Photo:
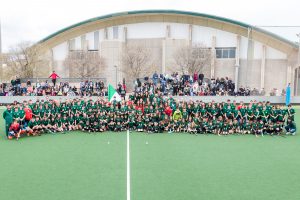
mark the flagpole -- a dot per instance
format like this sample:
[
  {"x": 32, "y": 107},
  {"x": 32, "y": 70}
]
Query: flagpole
[{"x": 0, "y": 39}]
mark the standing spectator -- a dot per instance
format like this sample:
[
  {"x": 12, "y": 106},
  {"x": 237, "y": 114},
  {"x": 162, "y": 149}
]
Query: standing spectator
[
  {"x": 82, "y": 87},
  {"x": 18, "y": 84},
  {"x": 123, "y": 93},
  {"x": 124, "y": 84},
  {"x": 91, "y": 87},
  {"x": 138, "y": 84},
  {"x": 195, "y": 78},
  {"x": 201, "y": 77},
  {"x": 28, "y": 83},
  {"x": 119, "y": 89},
  {"x": 155, "y": 78},
  {"x": 13, "y": 84},
  {"x": 101, "y": 85},
  {"x": 54, "y": 76}
]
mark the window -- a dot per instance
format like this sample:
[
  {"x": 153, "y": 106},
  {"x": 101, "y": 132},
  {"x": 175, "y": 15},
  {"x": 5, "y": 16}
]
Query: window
[
  {"x": 232, "y": 53},
  {"x": 225, "y": 53},
  {"x": 72, "y": 44},
  {"x": 96, "y": 40},
  {"x": 228, "y": 52},
  {"x": 219, "y": 53},
  {"x": 84, "y": 44},
  {"x": 115, "y": 32}
]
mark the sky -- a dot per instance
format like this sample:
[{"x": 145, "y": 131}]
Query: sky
[{"x": 33, "y": 20}]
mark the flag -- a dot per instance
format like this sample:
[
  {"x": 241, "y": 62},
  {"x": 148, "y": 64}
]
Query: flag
[
  {"x": 112, "y": 94},
  {"x": 288, "y": 95}
]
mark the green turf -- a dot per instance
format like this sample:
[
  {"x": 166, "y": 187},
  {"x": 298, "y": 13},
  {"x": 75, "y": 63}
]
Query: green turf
[
  {"x": 211, "y": 167},
  {"x": 63, "y": 167},
  {"x": 163, "y": 166}
]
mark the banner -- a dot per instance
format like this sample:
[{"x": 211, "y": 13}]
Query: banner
[{"x": 288, "y": 95}]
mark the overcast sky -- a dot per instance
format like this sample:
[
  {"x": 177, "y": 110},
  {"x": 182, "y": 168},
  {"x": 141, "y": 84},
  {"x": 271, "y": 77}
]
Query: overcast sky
[{"x": 33, "y": 20}]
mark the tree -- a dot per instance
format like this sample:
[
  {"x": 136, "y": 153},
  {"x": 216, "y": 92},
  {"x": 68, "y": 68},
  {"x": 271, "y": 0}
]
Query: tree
[
  {"x": 24, "y": 60},
  {"x": 84, "y": 63},
  {"x": 136, "y": 61},
  {"x": 192, "y": 59}
]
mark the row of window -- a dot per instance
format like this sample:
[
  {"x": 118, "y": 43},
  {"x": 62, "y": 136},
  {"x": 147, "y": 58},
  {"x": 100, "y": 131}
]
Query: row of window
[
  {"x": 221, "y": 53},
  {"x": 228, "y": 52}
]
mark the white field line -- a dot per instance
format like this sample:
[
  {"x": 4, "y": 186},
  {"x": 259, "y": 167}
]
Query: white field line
[{"x": 128, "y": 167}]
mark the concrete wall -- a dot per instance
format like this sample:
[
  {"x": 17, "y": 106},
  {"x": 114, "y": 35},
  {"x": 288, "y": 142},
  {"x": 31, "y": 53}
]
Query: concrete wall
[
  {"x": 111, "y": 51},
  {"x": 225, "y": 68},
  {"x": 272, "y": 99},
  {"x": 276, "y": 73},
  {"x": 154, "y": 36},
  {"x": 171, "y": 46}
]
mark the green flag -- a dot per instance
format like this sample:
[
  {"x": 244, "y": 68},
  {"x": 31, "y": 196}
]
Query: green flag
[{"x": 112, "y": 94}]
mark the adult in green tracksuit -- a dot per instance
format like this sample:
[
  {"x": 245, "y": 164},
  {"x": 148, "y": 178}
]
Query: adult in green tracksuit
[{"x": 8, "y": 117}]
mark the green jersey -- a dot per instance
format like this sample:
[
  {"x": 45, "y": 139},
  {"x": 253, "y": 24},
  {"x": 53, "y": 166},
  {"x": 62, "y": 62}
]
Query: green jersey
[
  {"x": 45, "y": 122},
  {"x": 16, "y": 114}
]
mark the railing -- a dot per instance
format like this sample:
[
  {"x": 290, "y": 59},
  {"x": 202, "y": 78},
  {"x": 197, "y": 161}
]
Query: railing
[{"x": 69, "y": 80}]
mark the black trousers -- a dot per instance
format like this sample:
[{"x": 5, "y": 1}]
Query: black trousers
[{"x": 54, "y": 82}]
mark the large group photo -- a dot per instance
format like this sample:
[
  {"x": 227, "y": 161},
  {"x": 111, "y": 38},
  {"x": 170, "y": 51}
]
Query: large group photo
[{"x": 145, "y": 111}]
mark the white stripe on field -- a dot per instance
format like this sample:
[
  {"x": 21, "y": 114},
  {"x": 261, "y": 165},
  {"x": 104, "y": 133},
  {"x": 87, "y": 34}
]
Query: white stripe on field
[{"x": 128, "y": 167}]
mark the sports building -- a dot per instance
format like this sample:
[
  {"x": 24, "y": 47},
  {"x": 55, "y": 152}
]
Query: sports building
[{"x": 249, "y": 55}]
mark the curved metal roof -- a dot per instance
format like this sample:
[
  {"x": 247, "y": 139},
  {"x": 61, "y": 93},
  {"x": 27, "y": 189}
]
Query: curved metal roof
[{"x": 194, "y": 14}]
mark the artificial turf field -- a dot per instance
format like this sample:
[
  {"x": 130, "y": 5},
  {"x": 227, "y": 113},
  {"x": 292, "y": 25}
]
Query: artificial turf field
[{"x": 81, "y": 166}]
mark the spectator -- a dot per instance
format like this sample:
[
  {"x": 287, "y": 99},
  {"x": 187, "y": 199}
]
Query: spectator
[
  {"x": 155, "y": 78},
  {"x": 54, "y": 76}
]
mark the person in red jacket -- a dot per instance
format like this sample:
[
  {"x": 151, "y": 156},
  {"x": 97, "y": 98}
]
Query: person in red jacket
[
  {"x": 28, "y": 114},
  {"x": 54, "y": 76},
  {"x": 168, "y": 111}
]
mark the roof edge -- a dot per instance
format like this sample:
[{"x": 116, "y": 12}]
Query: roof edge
[{"x": 135, "y": 12}]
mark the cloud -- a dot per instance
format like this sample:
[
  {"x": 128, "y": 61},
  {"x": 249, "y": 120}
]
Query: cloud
[{"x": 33, "y": 20}]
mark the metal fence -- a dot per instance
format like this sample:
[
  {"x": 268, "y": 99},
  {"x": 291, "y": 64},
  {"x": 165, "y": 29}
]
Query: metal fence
[{"x": 69, "y": 80}]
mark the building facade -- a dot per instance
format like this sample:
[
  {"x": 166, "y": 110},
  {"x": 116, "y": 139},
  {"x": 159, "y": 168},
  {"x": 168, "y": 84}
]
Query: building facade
[{"x": 248, "y": 55}]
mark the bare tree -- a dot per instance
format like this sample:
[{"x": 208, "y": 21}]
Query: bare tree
[
  {"x": 192, "y": 58},
  {"x": 24, "y": 60},
  {"x": 84, "y": 63},
  {"x": 136, "y": 61}
]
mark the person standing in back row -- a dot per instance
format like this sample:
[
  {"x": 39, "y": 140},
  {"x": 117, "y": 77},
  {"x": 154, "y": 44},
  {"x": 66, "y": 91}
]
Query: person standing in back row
[
  {"x": 8, "y": 117},
  {"x": 54, "y": 76}
]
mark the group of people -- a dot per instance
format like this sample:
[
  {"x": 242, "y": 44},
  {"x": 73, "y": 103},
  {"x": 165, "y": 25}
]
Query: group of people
[
  {"x": 147, "y": 113},
  {"x": 174, "y": 84},
  {"x": 62, "y": 88},
  {"x": 191, "y": 85}
]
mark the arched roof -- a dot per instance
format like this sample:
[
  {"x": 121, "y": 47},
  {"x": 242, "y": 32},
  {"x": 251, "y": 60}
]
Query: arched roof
[{"x": 175, "y": 16}]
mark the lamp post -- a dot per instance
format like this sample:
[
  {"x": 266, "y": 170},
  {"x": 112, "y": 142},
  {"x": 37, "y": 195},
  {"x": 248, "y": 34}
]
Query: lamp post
[{"x": 116, "y": 75}]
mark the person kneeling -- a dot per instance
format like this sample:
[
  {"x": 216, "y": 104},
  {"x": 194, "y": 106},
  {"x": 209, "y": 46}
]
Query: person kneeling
[
  {"x": 15, "y": 130},
  {"x": 290, "y": 127}
]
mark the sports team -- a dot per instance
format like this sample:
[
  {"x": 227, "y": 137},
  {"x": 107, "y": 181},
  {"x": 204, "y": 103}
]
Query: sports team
[{"x": 147, "y": 113}]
